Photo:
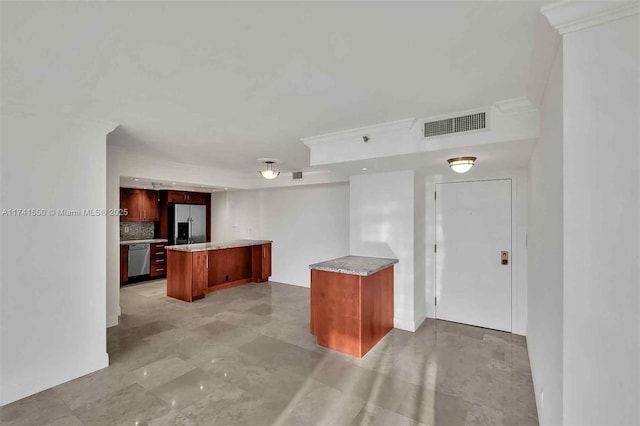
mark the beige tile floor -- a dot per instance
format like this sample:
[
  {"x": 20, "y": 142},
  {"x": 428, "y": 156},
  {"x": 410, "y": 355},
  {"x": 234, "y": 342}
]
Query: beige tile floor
[{"x": 244, "y": 356}]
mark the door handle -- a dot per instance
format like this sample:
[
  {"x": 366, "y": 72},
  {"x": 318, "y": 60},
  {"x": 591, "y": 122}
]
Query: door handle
[{"x": 504, "y": 257}]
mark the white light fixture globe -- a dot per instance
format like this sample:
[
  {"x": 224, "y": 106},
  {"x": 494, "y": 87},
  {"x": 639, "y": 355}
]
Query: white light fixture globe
[
  {"x": 269, "y": 173},
  {"x": 461, "y": 164}
]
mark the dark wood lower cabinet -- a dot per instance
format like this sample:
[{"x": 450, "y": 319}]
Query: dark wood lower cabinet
[
  {"x": 124, "y": 263},
  {"x": 158, "y": 259},
  {"x": 229, "y": 266},
  {"x": 200, "y": 266},
  {"x": 191, "y": 275},
  {"x": 351, "y": 313}
]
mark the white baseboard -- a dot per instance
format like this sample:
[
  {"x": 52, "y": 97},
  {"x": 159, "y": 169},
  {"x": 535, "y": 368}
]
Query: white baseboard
[
  {"x": 32, "y": 385},
  {"x": 419, "y": 322},
  {"x": 404, "y": 324},
  {"x": 112, "y": 320}
]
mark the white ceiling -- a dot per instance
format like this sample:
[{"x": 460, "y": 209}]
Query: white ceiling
[
  {"x": 491, "y": 157},
  {"x": 161, "y": 184},
  {"x": 221, "y": 84}
]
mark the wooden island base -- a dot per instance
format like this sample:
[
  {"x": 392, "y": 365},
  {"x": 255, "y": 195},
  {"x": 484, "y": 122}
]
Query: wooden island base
[
  {"x": 351, "y": 313},
  {"x": 193, "y": 274}
]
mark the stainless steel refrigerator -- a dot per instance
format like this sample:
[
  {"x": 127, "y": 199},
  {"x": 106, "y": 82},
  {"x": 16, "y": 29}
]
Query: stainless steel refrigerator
[{"x": 187, "y": 224}]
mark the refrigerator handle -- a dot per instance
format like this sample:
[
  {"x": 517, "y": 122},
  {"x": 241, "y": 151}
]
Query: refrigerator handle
[{"x": 190, "y": 229}]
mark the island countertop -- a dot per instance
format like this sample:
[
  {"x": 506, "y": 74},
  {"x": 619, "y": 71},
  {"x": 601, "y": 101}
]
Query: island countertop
[
  {"x": 355, "y": 265},
  {"x": 148, "y": 240},
  {"x": 218, "y": 245}
]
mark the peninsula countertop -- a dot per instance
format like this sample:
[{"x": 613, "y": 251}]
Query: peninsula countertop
[
  {"x": 355, "y": 265},
  {"x": 149, "y": 240},
  {"x": 218, "y": 245}
]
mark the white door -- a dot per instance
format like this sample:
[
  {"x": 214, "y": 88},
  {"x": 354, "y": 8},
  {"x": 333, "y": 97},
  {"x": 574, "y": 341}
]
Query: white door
[{"x": 473, "y": 228}]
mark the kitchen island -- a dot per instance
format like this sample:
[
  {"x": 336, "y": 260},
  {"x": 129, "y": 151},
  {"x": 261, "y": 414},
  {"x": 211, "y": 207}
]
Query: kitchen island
[
  {"x": 352, "y": 302},
  {"x": 193, "y": 270}
]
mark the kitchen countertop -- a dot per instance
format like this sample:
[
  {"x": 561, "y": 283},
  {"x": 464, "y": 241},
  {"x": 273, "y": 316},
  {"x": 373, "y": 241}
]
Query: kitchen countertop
[
  {"x": 218, "y": 245},
  {"x": 152, "y": 240},
  {"x": 355, "y": 265}
]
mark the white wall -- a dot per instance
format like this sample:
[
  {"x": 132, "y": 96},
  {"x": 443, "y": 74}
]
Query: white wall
[
  {"x": 382, "y": 212},
  {"x": 112, "y": 290},
  {"x": 601, "y": 224},
  {"x": 419, "y": 249},
  {"x": 307, "y": 225},
  {"x": 53, "y": 268},
  {"x": 236, "y": 214},
  {"x": 518, "y": 240},
  {"x": 545, "y": 253}
]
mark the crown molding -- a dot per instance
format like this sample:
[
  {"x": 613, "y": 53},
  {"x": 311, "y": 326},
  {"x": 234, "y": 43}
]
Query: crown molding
[
  {"x": 570, "y": 16},
  {"x": 24, "y": 110},
  {"x": 516, "y": 105},
  {"x": 377, "y": 129}
]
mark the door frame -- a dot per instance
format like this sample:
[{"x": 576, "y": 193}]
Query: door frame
[
  {"x": 511, "y": 230},
  {"x": 518, "y": 241}
]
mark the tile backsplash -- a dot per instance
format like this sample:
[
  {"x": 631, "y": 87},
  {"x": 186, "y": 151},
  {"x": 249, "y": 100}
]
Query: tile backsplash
[{"x": 136, "y": 230}]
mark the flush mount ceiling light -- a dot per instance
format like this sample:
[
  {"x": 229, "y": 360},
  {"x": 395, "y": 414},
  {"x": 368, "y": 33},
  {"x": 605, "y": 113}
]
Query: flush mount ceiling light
[
  {"x": 269, "y": 172},
  {"x": 461, "y": 164}
]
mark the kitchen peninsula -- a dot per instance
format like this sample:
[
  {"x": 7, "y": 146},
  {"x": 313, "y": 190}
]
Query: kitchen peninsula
[
  {"x": 193, "y": 270},
  {"x": 352, "y": 302}
]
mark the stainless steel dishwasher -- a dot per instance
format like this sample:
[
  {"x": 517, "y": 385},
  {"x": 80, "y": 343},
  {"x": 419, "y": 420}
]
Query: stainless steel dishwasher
[{"x": 139, "y": 259}]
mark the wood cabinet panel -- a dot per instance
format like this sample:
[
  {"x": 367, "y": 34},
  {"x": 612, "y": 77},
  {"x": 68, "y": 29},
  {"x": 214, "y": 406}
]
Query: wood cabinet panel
[
  {"x": 131, "y": 201},
  {"x": 180, "y": 275},
  {"x": 229, "y": 265},
  {"x": 376, "y": 306},
  {"x": 266, "y": 262},
  {"x": 261, "y": 263},
  {"x": 240, "y": 259},
  {"x": 176, "y": 196},
  {"x": 351, "y": 313},
  {"x": 217, "y": 267},
  {"x": 225, "y": 268},
  {"x": 163, "y": 206},
  {"x": 188, "y": 197},
  {"x": 158, "y": 260},
  {"x": 335, "y": 311},
  {"x": 197, "y": 197},
  {"x": 200, "y": 274},
  {"x": 124, "y": 263},
  {"x": 142, "y": 205},
  {"x": 158, "y": 270},
  {"x": 150, "y": 206}
]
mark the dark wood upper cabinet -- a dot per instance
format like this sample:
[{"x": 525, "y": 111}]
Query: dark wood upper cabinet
[
  {"x": 198, "y": 198},
  {"x": 142, "y": 205},
  {"x": 131, "y": 201},
  {"x": 188, "y": 197},
  {"x": 150, "y": 206},
  {"x": 176, "y": 196}
]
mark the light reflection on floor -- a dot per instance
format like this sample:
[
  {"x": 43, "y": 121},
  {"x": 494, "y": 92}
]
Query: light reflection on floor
[{"x": 245, "y": 356}]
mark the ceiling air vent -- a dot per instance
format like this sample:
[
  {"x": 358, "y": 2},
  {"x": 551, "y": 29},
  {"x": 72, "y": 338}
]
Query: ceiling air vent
[
  {"x": 463, "y": 123},
  {"x": 297, "y": 175}
]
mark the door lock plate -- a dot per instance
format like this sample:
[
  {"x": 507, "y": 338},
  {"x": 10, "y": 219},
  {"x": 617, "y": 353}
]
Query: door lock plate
[{"x": 504, "y": 256}]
